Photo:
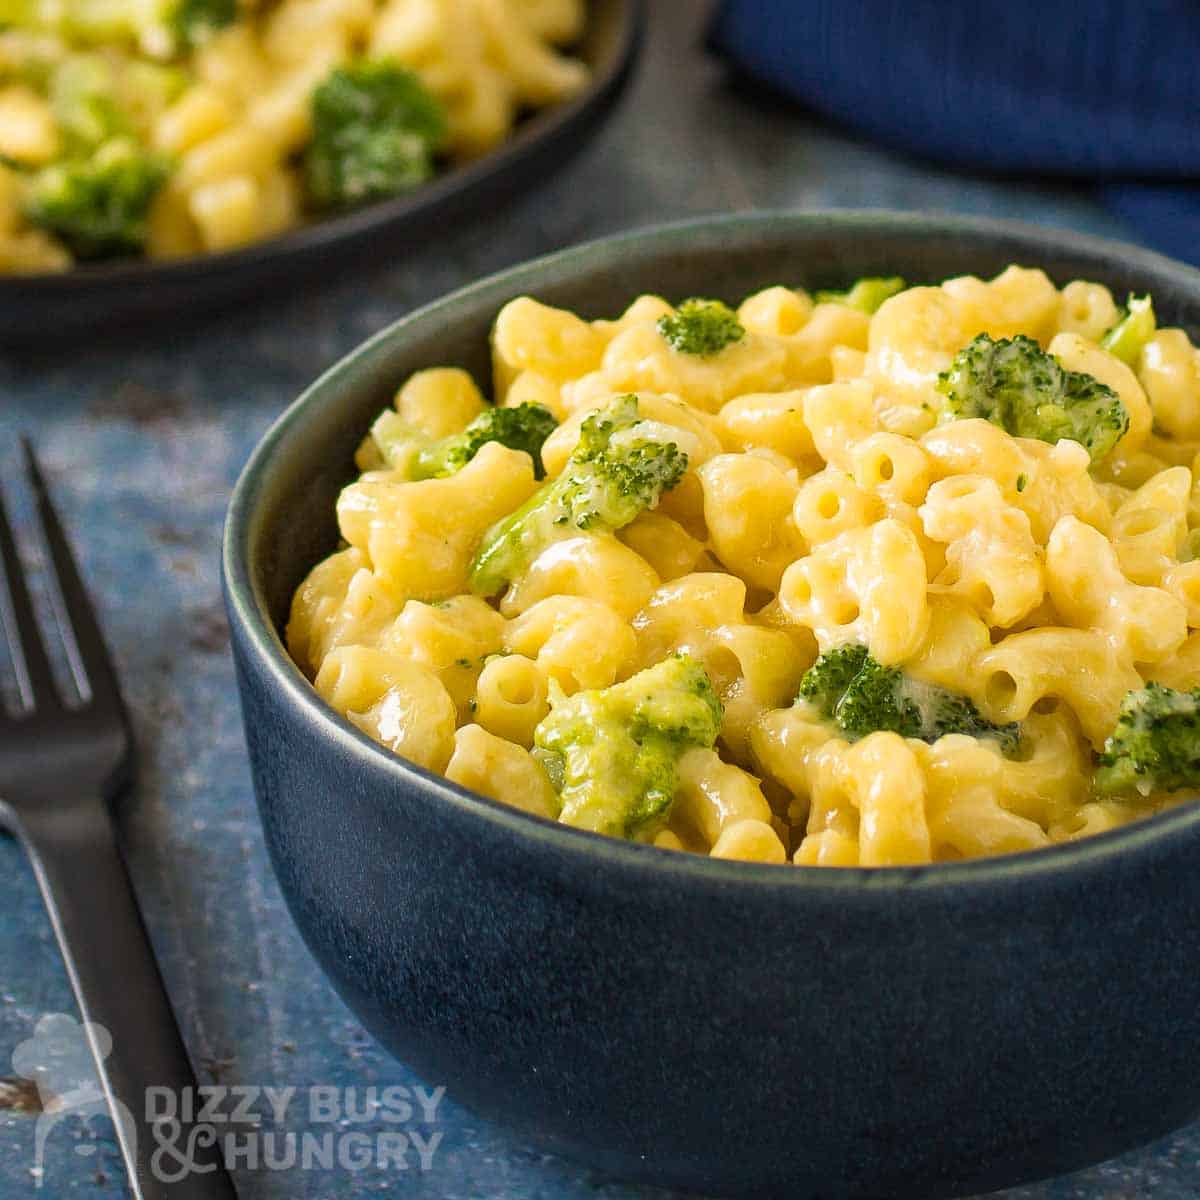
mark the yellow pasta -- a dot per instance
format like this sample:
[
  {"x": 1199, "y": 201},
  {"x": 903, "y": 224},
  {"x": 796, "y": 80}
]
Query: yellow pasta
[
  {"x": 1083, "y": 573},
  {"x": 595, "y": 566},
  {"x": 991, "y": 558},
  {"x": 28, "y": 131},
  {"x": 1169, "y": 370},
  {"x": 420, "y": 537},
  {"x": 1087, "y": 309},
  {"x": 494, "y": 767},
  {"x": 453, "y": 639},
  {"x": 867, "y": 585},
  {"x": 774, "y": 420},
  {"x": 510, "y": 698},
  {"x": 1017, "y": 301},
  {"x": 395, "y": 701},
  {"x": 576, "y": 640},
  {"x": 735, "y": 511},
  {"x": 831, "y": 503},
  {"x": 748, "y": 513},
  {"x": 1150, "y": 525}
]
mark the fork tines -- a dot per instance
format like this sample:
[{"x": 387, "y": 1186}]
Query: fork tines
[{"x": 91, "y": 665}]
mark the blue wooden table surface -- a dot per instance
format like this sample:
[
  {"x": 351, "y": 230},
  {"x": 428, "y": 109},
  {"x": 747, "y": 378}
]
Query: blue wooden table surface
[{"x": 144, "y": 444}]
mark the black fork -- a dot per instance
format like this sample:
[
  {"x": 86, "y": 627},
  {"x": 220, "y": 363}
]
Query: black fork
[{"x": 61, "y": 766}]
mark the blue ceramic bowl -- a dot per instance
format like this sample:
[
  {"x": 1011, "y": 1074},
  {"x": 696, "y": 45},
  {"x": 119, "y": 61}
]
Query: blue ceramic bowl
[{"x": 714, "y": 1026}]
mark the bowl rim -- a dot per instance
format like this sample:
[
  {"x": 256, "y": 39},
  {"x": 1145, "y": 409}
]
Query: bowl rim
[
  {"x": 258, "y": 636},
  {"x": 329, "y": 231}
]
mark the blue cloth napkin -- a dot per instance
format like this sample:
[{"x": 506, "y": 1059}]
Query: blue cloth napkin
[{"x": 1107, "y": 91}]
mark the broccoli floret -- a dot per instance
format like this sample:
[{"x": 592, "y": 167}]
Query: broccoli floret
[
  {"x": 98, "y": 205},
  {"x": 826, "y": 681},
  {"x": 614, "y": 474},
  {"x": 1127, "y": 337},
  {"x": 866, "y": 295},
  {"x": 877, "y": 698},
  {"x": 1155, "y": 746},
  {"x": 861, "y": 696},
  {"x": 376, "y": 129},
  {"x": 410, "y": 451},
  {"x": 1015, "y": 384},
  {"x": 194, "y": 21},
  {"x": 612, "y": 754},
  {"x": 701, "y": 327},
  {"x": 523, "y": 427}
]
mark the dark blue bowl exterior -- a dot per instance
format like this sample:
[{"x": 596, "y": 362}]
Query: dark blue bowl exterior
[{"x": 717, "y": 1027}]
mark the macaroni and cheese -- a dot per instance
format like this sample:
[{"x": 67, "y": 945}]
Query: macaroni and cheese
[
  {"x": 176, "y": 127},
  {"x": 887, "y": 576}
]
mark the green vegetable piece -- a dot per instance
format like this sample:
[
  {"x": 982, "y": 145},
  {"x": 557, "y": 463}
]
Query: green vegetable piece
[
  {"x": 1015, "y": 384},
  {"x": 825, "y": 682},
  {"x": 376, "y": 129},
  {"x": 614, "y": 474},
  {"x": 866, "y": 294},
  {"x": 701, "y": 327},
  {"x": 523, "y": 427},
  {"x": 98, "y": 206},
  {"x": 613, "y": 754},
  {"x": 1127, "y": 337},
  {"x": 861, "y": 696},
  {"x": 195, "y": 21},
  {"x": 1155, "y": 745},
  {"x": 412, "y": 452},
  {"x": 398, "y": 442}
]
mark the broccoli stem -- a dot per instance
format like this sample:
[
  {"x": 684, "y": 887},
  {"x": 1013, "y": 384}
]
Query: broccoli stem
[
  {"x": 866, "y": 295},
  {"x": 1130, "y": 334}
]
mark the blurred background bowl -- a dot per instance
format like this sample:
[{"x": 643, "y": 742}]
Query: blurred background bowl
[
  {"x": 92, "y": 299},
  {"x": 714, "y": 1026}
]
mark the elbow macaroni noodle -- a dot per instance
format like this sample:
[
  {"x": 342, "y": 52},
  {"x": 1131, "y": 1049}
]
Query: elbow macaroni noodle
[{"x": 822, "y": 505}]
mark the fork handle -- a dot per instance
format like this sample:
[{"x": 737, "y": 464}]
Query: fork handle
[{"x": 87, "y": 891}]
